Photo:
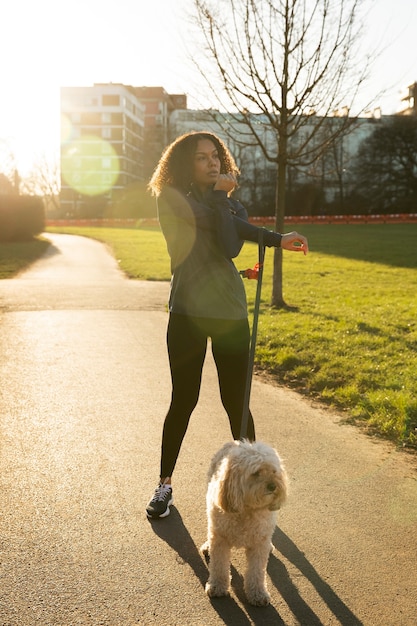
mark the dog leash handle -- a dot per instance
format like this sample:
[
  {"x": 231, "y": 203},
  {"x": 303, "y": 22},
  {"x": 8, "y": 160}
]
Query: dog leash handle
[{"x": 248, "y": 386}]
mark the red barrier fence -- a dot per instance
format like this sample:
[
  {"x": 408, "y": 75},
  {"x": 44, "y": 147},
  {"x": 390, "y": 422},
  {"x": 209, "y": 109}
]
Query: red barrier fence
[
  {"x": 108, "y": 222},
  {"x": 397, "y": 218}
]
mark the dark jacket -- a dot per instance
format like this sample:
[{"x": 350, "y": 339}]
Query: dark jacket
[{"x": 203, "y": 235}]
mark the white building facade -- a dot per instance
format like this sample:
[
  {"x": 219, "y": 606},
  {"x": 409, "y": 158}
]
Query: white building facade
[
  {"x": 331, "y": 172},
  {"x": 113, "y": 135},
  {"x": 101, "y": 143}
]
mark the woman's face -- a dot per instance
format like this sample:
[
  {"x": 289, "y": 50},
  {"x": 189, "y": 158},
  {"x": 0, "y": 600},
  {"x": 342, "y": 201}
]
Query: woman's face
[{"x": 206, "y": 164}]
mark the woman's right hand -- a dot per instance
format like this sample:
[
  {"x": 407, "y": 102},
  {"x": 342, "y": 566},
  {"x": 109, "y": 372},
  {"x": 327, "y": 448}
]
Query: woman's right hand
[{"x": 225, "y": 182}]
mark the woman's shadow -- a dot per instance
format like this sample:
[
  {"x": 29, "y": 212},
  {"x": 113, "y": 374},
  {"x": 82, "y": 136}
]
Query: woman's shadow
[
  {"x": 176, "y": 535},
  {"x": 288, "y": 590}
]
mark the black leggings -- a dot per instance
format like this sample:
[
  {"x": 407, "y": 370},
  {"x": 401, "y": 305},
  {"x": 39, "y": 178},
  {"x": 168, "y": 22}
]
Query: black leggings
[{"x": 187, "y": 345}]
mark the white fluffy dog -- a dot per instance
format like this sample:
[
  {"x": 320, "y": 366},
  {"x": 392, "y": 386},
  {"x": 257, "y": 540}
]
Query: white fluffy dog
[{"x": 247, "y": 485}]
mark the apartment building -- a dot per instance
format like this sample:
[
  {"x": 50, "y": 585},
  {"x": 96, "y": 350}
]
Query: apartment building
[
  {"x": 111, "y": 137},
  {"x": 158, "y": 107},
  {"x": 102, "y": 148},
  {"x": 330, "y": 172},
  {"x": 409, "y": 101}
]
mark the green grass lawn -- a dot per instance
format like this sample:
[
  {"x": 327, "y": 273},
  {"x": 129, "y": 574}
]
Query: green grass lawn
[
  {"x": 15, "y": 257},
  {"x": 350, "y": 336}
]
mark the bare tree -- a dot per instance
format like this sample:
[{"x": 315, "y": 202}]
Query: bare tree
[
  {"x": 44, "y": 180},
  {"x": 284, "y": 65},
  {"x": 10, "y": 178},
  {"x": 385, "y": 167}
]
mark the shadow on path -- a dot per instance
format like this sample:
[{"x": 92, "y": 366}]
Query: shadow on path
[
  {"x": 176, "y": 535},
  {"x": 282, "y": 581}
]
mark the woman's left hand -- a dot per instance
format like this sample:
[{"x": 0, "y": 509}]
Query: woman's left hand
[{"x": 295, "y": 242}]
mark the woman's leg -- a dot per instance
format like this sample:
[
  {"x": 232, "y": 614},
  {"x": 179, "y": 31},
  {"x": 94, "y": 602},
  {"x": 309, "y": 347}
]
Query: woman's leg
[
  {"x": 230, "y": 345},
  {"x": 187, "y": 346}
]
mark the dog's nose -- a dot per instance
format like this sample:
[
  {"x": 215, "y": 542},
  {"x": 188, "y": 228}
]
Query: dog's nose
[{"x": 271, "y": 487}]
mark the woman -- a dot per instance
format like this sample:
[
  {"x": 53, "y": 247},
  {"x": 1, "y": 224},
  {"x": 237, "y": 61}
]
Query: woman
[{"x": 204, "y": 229}]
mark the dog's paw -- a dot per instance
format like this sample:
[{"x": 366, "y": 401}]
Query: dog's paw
[
  {"x": 258, "y": 597},
  {"x": 205, "y": 552},
  {"x": 216, "y": 590}
]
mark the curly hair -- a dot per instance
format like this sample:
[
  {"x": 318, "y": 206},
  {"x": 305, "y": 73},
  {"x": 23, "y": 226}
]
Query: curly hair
[{"x": 176, "y": 165}]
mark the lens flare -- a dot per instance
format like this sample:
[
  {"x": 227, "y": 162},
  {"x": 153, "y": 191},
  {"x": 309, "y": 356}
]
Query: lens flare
[
  {"x": 90, "y": 165},
  {"x": 66, "y": 128}
]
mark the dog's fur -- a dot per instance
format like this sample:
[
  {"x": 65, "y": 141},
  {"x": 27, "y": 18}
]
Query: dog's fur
[{"x": 247, "y": 485}]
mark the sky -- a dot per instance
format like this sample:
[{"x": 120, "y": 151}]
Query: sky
[{"x": 45, "y": 44}]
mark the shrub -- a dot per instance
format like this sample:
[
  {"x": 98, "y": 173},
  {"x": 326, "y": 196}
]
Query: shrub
[{"x": 21, "y": 217}]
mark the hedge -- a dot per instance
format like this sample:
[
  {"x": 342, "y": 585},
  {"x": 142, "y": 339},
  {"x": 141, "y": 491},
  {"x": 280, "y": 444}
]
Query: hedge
[{"x": 21, "y": 217}]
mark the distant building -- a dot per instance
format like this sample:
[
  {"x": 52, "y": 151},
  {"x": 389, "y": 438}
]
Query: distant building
[
  {"x": 101, "y": 143},
  {"x": 409, "y": 100},
  {"x": 112, "y": 135},
  {"x": 330, "y": 172},
  {"x": 158, "y": 107}
]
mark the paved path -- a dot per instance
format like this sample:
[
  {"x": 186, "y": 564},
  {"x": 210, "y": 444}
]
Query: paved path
[{"x": 84, "y": 386}]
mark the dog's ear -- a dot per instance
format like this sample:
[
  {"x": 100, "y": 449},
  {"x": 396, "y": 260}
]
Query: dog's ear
[
  {"x": 281, "y": 491},
  {"x": 230, "y": 497}
]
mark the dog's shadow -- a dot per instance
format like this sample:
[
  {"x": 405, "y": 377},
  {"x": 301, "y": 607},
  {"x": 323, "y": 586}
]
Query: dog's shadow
[
  {"x": 176, "y": 535},
  {"x": 288, "y": 590}
]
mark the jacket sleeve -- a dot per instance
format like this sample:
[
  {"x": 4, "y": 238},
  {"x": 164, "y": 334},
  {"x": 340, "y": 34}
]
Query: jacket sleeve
[
  {"x": 180, "y": 219},
  {"x": 228, "y": 237},
  {"x": 234, "y": 228},
  {"x": 227, "y": 219},
  {"x": 249, "y": 232}
]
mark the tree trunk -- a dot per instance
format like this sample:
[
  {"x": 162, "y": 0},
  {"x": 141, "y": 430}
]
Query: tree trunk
[
  {"x": 277, "y": 300},
  {"x": 277, "y": 287}
]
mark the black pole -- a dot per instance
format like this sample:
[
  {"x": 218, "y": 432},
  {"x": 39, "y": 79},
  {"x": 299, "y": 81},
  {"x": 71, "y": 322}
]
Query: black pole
[{"x": 245, "y": 412}]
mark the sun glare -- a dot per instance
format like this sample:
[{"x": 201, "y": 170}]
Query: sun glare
[
  {"x": 99, "y": 44},
  {"x": 90, "y": 166}
]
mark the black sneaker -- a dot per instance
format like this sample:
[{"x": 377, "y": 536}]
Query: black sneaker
[{"x": 161, "y": 501}]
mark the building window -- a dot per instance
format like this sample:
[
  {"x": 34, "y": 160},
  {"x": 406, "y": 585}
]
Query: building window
[
  {"x": 106, "y": 148},
  {"x": 106, "y": 133},
  {"x": 106, "y": 163},
  {"x": 107, "y": 179},
  {"x": 111, "y": 100},
  {"x": 106, "y": 118},
  {"x": 76, "y": 118}
]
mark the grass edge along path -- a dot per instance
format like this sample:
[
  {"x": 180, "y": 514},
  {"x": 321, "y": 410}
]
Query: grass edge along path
[
  {"x": 349, "y": 336},
  {"x": 17, "y": 256}
]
